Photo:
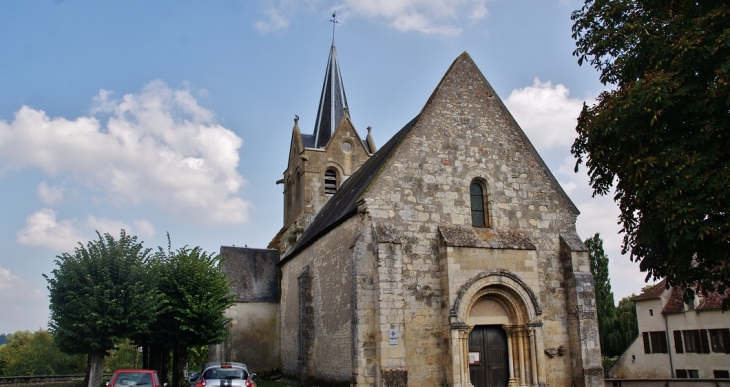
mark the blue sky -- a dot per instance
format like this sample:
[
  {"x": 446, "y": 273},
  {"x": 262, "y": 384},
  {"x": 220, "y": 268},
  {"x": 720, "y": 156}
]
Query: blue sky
[{"x": 176, "y": 116}]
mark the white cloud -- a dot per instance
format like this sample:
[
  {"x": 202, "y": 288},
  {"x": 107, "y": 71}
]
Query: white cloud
[
  {"x": 144, "y": 228},
  {"x": 24, "y": 306},
  {"x": 548, "y": 116},
  {"x": 545, "y": 113},
  {"x": 157, "y": 146},
  {"x": 141, "y": 228},
  {"x": 440, "y": 17},
  {"x": 437, "y": 17},
  {"x": 50, "y": 195},
  {"x": 274, "y": 21},
  {"x": 43, "y": 229},
  {"x": 600, "y": 215}
]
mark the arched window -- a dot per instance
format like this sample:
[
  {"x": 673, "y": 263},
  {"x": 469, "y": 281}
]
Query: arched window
[
  {"x": 330, "y": 181},
  {"x": 479, "y": 215}
]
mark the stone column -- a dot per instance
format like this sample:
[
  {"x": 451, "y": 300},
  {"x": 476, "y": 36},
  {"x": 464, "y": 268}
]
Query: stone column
[
  {"x": 458, "y": 371},
  {"x": 465, "y": 356},
  {"x": 533, "y": 357},
  {"x": 510, "y": 358},
  {"x": 521, "y": 352},
  {"x": 539, "y": 348}
]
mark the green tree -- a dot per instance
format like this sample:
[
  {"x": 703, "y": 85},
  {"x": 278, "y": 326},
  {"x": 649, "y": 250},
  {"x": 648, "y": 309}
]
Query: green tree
[
  {"x": 124, "y": 355},
  {"x": 627, "y": 326},
  {"x": 662, "y": 133},
  {"x": 36, "y": 353},
  {"x": 99, "y": 295},
  {"x": 196, "y": 295},
  {"x": 605, "y": 305}
]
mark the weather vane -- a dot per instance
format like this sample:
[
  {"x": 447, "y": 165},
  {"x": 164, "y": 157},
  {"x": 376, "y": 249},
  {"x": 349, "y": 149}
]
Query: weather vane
[{"x": 334, "y": 22}]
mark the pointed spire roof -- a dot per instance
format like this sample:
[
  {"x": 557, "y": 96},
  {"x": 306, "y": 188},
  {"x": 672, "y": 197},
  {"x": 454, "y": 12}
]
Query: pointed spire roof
[{"x": 332, "y": 103}]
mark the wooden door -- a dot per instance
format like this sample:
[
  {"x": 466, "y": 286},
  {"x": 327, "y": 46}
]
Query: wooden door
[{"x": 488, "y": 356}]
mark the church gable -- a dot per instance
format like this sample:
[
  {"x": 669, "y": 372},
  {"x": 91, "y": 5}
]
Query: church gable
[
  {"x": 464, "y": 138},
  {"x": 346, "y": 141}
]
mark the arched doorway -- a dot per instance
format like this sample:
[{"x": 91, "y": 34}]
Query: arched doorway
[
  {"x": 498, "y": 307},
  {"x": 488, "y": 360}
]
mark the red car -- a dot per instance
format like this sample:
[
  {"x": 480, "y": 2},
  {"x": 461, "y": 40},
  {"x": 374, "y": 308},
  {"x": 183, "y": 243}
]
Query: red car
[{"x": 131, "y": 378}]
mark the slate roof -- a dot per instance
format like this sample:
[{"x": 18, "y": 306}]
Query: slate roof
[
  {"x": 332, "y": 102},
  {"x": 308, "y": 140},
  {"x": 343, "y": 204}
]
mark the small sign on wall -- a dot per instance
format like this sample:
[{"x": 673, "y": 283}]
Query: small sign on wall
[
  {"x": 393, "y": 336},
  {"x": 474, "y": 358}
]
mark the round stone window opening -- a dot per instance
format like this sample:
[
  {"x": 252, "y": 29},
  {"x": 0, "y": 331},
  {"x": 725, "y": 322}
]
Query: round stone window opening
[{"x": 346, "y": 147}]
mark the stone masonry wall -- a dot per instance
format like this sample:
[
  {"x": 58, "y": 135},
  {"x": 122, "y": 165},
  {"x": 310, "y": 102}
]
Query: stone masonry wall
[
  {"x": 254, "y": 338},
  {"x": 463, "y": 133},
  {"x": 303, "y": 200},
  {"x": 329, "y": 264}
]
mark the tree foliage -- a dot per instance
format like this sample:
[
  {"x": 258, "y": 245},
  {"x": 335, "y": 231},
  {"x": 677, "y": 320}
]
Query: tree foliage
[
  {"x": 27, "y": 354},
  {"x": 99, "y": 295},
  {"x": 196, "y": 295},
  {"x": 113, "y": 294},
  {"x": 617, "y": 326},
  {"x": 662, "y": 134},
  {"x": 605, "y": 305}
]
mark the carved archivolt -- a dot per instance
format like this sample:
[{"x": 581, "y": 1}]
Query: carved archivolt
[{"x": 505, "y": 287}]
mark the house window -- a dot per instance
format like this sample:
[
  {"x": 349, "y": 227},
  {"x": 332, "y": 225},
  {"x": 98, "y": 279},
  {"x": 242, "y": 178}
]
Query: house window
[
  {"x": 330, "y": 181},
  {"x": 694, "y": 341},
  {"x": 655, "y": 342},
  {"x": 720, "y": 340},
  {"x": 478, "y": 209},
  {"x": 721, "y": 374},
  {"x": 658, "y": 342},
  {"x": 691, "y": 374},
  {"x": 691, "y": 341},
  {"x": 651, "y": 312}
]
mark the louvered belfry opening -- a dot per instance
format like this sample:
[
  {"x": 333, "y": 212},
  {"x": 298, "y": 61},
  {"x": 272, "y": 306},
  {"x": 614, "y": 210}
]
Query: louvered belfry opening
[{"x": 330, "y": 182}]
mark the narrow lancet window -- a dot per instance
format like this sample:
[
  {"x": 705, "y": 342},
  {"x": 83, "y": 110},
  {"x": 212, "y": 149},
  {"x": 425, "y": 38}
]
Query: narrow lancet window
[
  {"x": 478, "y": 209},
  {"x": 330, "y": 182}
]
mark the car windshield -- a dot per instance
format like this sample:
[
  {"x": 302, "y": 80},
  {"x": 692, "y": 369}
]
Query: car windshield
[
  {"x": 126, "y": 379},
  {"x": 223, "y": 373}
]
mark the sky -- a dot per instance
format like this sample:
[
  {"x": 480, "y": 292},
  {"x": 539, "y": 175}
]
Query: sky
[{"x": 176, "y": 116}]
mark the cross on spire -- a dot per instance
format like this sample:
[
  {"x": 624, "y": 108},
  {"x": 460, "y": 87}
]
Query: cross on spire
[{"x": 334, "y": 22}]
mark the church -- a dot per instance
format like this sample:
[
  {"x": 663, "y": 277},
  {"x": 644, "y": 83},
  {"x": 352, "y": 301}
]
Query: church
[{"x": 448, "y": 256}]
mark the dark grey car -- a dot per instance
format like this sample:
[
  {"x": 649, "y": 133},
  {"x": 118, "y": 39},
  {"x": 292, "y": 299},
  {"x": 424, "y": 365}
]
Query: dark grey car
[{"x": 223, "y": 375}]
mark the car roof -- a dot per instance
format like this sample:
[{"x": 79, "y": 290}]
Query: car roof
[
  {"x": 133, "y": 370},
  {"x": 219, "y": 364}
]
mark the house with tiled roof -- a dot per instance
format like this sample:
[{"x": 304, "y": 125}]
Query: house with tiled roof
[{"x": 677, "y": 339}]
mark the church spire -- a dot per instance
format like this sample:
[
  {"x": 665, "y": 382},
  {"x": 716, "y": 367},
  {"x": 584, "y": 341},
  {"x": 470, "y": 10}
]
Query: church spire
[{"x": 333, "y": 101}]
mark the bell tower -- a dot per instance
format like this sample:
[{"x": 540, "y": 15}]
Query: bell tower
[{"x": 319, "y": 162}]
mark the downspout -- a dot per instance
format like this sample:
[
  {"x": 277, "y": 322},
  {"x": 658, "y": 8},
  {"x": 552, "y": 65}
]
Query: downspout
[{"x": 669, "y": 347}]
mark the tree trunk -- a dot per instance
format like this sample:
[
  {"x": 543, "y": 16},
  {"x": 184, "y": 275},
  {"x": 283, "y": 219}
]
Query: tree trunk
[
  {"x": 179, "y": 364},
  {"x": 88, "y": 369},
  {"x": 155, "y": 361},
  {"x": 146, "y": 357},
  {"x": 165, "y": 364},
  {"x": 96, "y": 367}
]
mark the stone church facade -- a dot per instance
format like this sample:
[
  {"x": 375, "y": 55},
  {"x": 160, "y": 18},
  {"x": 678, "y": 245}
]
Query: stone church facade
[{"x": 447, "y": 257}]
